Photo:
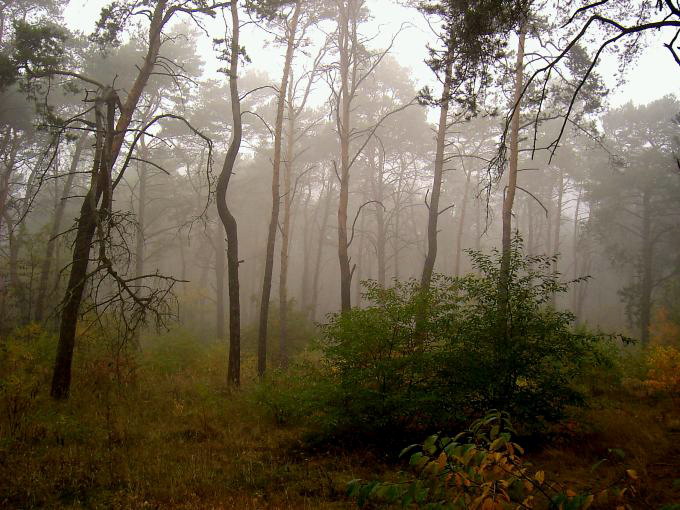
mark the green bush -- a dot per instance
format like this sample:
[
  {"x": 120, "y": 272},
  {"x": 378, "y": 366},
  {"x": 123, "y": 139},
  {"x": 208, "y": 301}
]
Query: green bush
[
  {"x": 480, "y": 468},
  {"x": 416, "y": 360}
]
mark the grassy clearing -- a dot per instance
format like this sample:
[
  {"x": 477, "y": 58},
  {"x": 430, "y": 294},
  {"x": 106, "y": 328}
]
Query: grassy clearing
[{"x": 161, "y": 430}]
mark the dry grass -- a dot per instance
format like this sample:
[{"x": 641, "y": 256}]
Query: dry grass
[
  {"x": 641, "y": 434},
  {"x": 168, "y": 434},
  {"x": 164, "y": 432}
]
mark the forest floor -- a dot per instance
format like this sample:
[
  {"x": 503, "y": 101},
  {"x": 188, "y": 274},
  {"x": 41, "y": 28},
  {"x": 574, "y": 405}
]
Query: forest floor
[{"x": 168, "y": 434}]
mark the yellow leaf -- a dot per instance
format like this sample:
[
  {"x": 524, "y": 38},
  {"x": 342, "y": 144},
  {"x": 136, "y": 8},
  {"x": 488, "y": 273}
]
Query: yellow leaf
[
  {"x": 632, "y": 474},
  {"x": 441, "y": 460},
  {"x": 570, "y": 493},
  {"x": 539, "y": 476}
]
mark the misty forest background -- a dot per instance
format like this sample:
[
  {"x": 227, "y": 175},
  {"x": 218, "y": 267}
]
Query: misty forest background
[{"x": 228, "y": 288}]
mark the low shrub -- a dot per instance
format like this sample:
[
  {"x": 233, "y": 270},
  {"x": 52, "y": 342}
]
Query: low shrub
[
  {"x": 481, "y": 468},
  {"x": 415, "y": 360}
]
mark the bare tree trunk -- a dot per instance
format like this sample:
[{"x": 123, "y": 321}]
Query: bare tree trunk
[
  {"x": 647, "y": 268},
  {"x": 433, "y": 213},
  {"x": 461, "y": 226},
  {"x": 575, "y": 248},
  {"x": 319, "y": 247},
  {"x": 530, "y": 227},
  {"x": 509, "y": 197},
  {"x": 54, "y": 232},
  {"x": 381, "y": 227},
  {"x": 276, "y": 196},
  {"x": 478, "y": 224},
  {"x": 228, "y": 220},
  {"x": 359, "y": 264},
  {"x": 558, "y": 225},
  {"x": 306, "y": 255},
  {"x": 285, "y": 232},
  {"x": 344, "y": 131}
]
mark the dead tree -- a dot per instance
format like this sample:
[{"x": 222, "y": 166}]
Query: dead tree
[{"x": 95, "y": 210}]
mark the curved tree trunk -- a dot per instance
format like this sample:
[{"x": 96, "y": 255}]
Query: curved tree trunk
[{"x": 228, "y": 220}]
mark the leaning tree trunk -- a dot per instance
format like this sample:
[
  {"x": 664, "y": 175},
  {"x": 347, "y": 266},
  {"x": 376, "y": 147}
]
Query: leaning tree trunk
[
  {"x": 433, "y": 213},
  {"x": 276, "y": 197},
  {"x": 228, "y": 220},
  {"x": 61, "y": 379},
  {"x": 54, "y": 232}
]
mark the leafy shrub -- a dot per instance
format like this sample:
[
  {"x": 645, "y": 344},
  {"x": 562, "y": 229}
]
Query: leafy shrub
[
  {"x": 481, "y": 468},
  {"x": 422, "y": 360}
]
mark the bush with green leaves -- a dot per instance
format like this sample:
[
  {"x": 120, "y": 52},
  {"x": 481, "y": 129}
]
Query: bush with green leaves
[
  {"x": 419, "y": 360},
  {"x": 480, "y": 468}
]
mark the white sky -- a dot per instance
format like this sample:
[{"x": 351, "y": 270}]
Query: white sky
[{"x": 654, "y": 75}]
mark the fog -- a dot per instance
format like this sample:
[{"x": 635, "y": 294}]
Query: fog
[{"x": 355, "y": 150}]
